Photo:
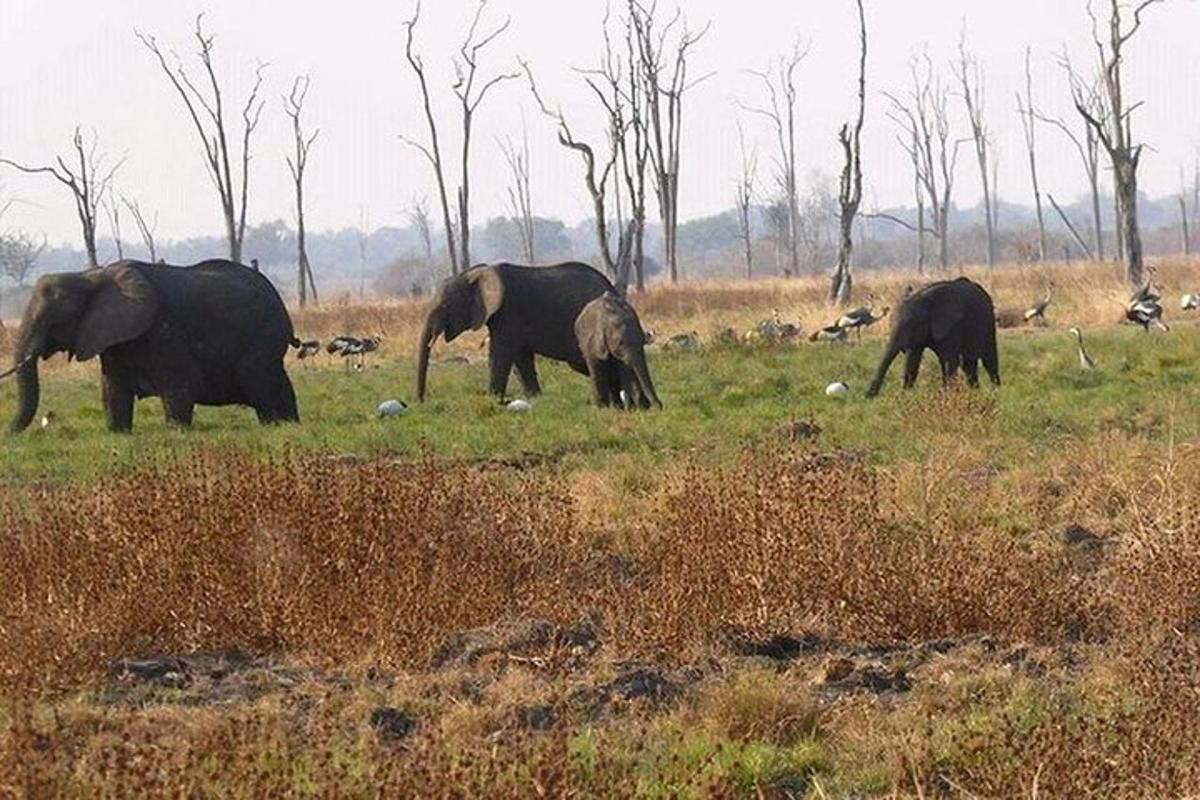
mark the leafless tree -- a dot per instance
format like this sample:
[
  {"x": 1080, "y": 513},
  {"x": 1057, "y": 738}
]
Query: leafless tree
[
  {"x": 666, "y": 82},
  {"x": 969, "y": 74},
  {"x": 1114, "y": 128},
  {"x": 779, "y": 80},
  {"x": 471, "y": 90},
  {"x": 850, "y": 184},
  {"x": 1083, "y": 246},
  {"x": 1087, "y": 145},
  {"x": 1025, "y": 109},
  {"x": 1184, "y": 229},
  {"x": 206, "y": 109},
  {"x": 520, "y": 192},
  {"x": 363, "y": 236},
  {"x": 923, "y": 116},
  {"x": 297, "y": 163},
  {"x": 418, "y": 217},
  {"x": 88, "y": 179},
  {"x": 112, "y": 210},
  {"x": 597, "y": 178},
  {"x": 146, "y": 229},
  {"x": 19, "y": 253},
  {"x": 744, "y": 198}
]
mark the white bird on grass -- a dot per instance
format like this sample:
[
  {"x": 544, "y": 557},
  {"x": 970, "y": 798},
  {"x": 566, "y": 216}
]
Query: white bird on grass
[
  {"x": 391, "y": 408},
  {"x": 519, "y": 406},
  {"x": 838, "y": 389},
  {"x": 1190, "y": 302}
]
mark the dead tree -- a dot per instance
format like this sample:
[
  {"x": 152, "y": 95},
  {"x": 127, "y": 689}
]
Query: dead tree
[
  {"x": 88, "y": 179},
  {"x": 969, "y": 74},
  {"x": 206, "y": 109},
  {"x": 297, "y": 163},
  {"x": 113, "y": 211},
  {"x": 147, "y": 230},
  {"x": 744, "y": 199},
  {"x": 1114, "y": 129},
  {"x": 471, "y": 92},
  {"x": 596, "y": 178},
  {"x": 364, "y": 242},
  {"x": 19, "y": 253},
  {"x": 779, "y": 80},
  {"x": 520, "y": 193},
  {"x": 850, "y": 185},
  {"x": 1185, "y": 231},
  {"x": 418, "y": 217},
  {"x": 1025, "y": 109},
  {"x": 665, "y": 83},
  {"x": 1071, "y": 228},
  {"x": 1088, "y": 147},
  {"x": 925, "y": 121}
]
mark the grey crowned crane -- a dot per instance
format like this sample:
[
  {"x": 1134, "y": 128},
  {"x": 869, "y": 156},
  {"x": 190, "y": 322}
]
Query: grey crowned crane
[
  {"x": 1189, "y": 302},
  {"x": 830, "y": 333},
  {"x": 1037, "y": 312},
  {"x": 1086, "y": 362},
  {"x": 350, "y": 346},
  {"x": 307, "y": 349},
  {"x": 861, "y": 318},
  {"x": 1145, "y": 308}
]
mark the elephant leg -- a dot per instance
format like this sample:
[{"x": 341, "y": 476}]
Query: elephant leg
[
  {"x": 601, "y": 389},
  {"x": 268, "y": 390},
  {"x": 500, "y": 363},
  {"x": 528, "y": 374},
  {"x": 178, "y": 409},
  {"x": 912, "y": 366},
  {"x": 117, "y": 398},
  {"x": 971, "y": 368}
]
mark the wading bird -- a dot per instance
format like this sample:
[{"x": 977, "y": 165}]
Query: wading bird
[
  {"x": 1086, "y": 362},
  {"x": 1037, "y": 312},
  {"x": 1190, "y": 302}
]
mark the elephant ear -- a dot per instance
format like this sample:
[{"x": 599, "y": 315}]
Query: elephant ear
[
  {"x": 944, "y": 318},
  {"x": 488, "y": 297},
  {"x": 122, "y": 308}
]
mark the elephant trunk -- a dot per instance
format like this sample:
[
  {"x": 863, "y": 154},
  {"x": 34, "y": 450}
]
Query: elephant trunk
[
  {"x": 642, "y": 373},
  {"x": 885, "y": 363},
  {"x": 28, "y": 386},
  {"x": 431, "y": 331}
]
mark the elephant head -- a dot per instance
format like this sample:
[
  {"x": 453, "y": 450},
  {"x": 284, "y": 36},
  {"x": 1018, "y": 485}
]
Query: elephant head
[
  {"x": 464, "y": 302},
  {"x": 82, "y": 314}
]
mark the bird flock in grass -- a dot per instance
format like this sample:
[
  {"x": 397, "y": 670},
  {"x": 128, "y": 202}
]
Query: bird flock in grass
[{"x": 1144, "y": 308}]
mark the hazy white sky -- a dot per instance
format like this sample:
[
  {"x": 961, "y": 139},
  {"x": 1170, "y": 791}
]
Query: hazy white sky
[{"x": 64, "y": 62}]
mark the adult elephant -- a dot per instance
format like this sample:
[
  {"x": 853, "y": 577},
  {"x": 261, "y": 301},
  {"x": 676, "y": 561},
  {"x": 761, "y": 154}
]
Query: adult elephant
[
  {"x": 956, "y": 320},
  {"x": 529, "y": 311},
  {"x": 210, "y": 334}
]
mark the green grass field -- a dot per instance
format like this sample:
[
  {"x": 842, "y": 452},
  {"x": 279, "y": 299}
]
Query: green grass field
[{"x": 718, "y": 400}]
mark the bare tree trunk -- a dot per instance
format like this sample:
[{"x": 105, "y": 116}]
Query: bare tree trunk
[
  {"x": 850, "y": 187},
  {"x": 520, "y": 193},
  {"x": 297, "y": 162},
  {"x": 89, "y": 180},
  {"x": 744, "y": 197},
  {"x": 970, "y": 78},
  {"x": 1070, "y": 227},
  {"x": 1113, "y": 129},
  {"x": 146, "y": 230},
  {"x": 207, "y": 113}
]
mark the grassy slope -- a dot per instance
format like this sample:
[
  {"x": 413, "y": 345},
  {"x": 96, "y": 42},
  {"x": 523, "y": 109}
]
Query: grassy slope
[{"x": 719, "y": 400}]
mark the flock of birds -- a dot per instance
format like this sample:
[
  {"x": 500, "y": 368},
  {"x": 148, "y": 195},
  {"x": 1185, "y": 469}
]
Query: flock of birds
[
  {"x": 351, "y": 349},
  {"x": 776, "y": 330},
  {"x": 1144, "y": 308}
]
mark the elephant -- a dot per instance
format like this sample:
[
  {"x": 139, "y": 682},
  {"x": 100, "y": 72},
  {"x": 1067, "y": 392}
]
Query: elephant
[
  {"x": 956, "y": 320},
  {"x": 528, "y": 311},
  {"x": 211, "y": 334},
  {"x": 614, "y": 349}
]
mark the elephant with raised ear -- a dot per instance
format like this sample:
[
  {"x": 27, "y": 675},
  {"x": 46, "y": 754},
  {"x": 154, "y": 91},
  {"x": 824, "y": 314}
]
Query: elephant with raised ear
[
  {"x": 211, "y": 334},
  {"x": 614, "y": 349},
  {"x": 956, "y": 320},
  {"x": 529, "y": 311}
]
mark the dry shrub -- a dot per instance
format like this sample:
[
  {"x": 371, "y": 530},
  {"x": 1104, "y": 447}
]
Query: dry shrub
[
  {"x": 301, "y": 556},
  {"x": 761, "y": 705},
  {"x": 788, "y": 544}
]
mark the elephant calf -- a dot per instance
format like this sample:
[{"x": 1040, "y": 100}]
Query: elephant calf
[
  {"x": 956, "y": 320},
  {"x": 613, "y": 345}
]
